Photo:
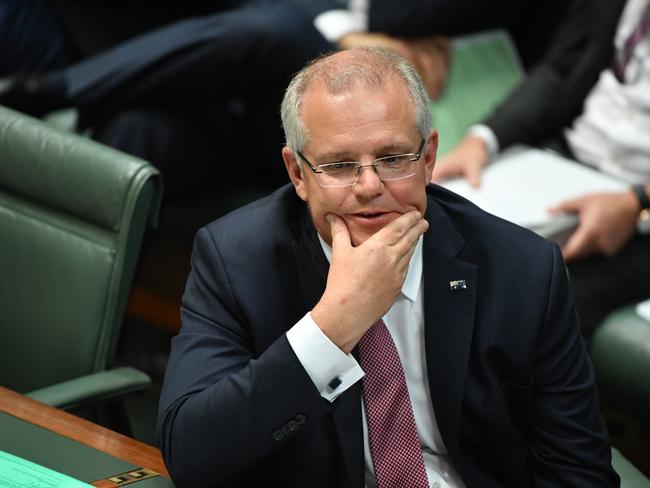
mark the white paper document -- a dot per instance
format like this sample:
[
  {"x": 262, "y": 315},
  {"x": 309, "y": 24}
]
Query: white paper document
[
  {"x": 523, "y": 183},
  {"x": 16, "y": 472}
]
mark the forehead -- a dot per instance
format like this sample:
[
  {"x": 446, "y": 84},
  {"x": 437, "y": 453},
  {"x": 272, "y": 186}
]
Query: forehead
[{"x": 358, "y": 115}]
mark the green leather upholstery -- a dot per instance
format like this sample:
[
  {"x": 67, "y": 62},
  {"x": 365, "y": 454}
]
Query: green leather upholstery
[
  {"x": 620, "y": 351},
  {"x": 72, "y": 218},
  {"x": 630, "y": 476}
]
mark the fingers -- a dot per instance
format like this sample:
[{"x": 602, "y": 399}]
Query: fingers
[
  {"x": 340, "y": 233},
  {"x": 403, "y": 233},
  {"x": 473, "y": 175},
  {"x": 578, "y": 245},
  {"x": 446, "y": 169},
  {"x": 405, "y": 247},
  {"x": 568, "y": 206}
]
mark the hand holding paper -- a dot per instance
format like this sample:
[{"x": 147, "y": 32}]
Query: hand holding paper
[
  {"x": 466, "y": 160},
  {"x": 607, "y": 221},
  {"x": 523, "y": 184}
]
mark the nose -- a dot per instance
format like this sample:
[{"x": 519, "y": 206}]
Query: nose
[{"x": 368, "y": 182}]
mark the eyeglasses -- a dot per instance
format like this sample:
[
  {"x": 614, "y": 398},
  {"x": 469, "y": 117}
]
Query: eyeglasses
[{"x": 346, "y": 173}]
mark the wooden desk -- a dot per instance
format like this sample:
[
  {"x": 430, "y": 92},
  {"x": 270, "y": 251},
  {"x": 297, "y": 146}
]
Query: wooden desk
[{"x": 83, "y": 431}]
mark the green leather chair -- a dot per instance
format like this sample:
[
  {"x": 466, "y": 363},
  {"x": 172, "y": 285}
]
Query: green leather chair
[
  {"x": 73, "y": 214},
  {"x": 630, "y": 476},
  {"x": 620, "y": 351}
]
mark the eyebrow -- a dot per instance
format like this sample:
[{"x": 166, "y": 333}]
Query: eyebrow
[{"x": 396, "y": 148}]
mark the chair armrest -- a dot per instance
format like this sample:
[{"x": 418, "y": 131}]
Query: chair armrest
[
  {"x": 92, "y": 388},
  {"x": 620, "y": 351}
]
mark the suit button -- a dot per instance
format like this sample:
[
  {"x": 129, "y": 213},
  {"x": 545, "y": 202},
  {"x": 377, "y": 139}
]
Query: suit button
[
  {"x": 301, "y": 419},
  {"x": 277, "y": 435},
  {"x": 293, "y": 425}
]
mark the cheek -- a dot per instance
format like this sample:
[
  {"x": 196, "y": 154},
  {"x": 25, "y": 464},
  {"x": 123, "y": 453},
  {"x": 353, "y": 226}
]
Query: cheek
[
  {"x": 411, "y": 196},
  {"x": 319, "y": 207},
  {"x": 323, "y": 201}
]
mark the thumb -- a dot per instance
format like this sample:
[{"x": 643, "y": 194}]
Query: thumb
[
  {"x": 568, "y": 206},
  {"x": 339, "y": 231}
]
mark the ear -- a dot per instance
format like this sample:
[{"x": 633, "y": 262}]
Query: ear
[
  {"x": 295, "y": 174},
  {"x": 430, "y": 154}
]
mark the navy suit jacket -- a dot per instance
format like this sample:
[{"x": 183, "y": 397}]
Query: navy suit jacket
[{"x": 511, "y": 384}]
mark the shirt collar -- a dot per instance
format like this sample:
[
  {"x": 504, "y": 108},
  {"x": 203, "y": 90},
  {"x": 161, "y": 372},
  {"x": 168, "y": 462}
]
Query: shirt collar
[{"x": 413, "y": 279}]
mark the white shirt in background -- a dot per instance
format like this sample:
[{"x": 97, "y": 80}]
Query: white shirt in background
[{"x": 613, "y": 133}]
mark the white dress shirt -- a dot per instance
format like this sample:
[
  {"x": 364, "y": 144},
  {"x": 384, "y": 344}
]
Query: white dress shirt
[
  {"x": 325, "y": 362},
  {"x": 334, "y": 24},
  {"x": 613, "y": 132}
]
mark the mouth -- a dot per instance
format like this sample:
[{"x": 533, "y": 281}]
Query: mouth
[
  {"x": 374, "y": 215},
  {"x": 371, "y": 217}
]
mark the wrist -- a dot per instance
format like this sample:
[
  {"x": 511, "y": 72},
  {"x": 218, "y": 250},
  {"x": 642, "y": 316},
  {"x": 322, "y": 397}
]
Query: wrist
[
  {"x": 490, "y": 144},
  {"x": 642, "y": 201},
  {"x": 332, "y": 322}
]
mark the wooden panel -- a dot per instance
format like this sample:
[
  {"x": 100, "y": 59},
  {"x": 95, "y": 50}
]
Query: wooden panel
[{"x": 81, "y": 430}]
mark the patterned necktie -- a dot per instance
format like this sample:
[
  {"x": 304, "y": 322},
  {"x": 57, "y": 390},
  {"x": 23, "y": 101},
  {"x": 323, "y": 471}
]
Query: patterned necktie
[
  {"x": 394, "y": 443},
  {"x": 622, "y": 57}
]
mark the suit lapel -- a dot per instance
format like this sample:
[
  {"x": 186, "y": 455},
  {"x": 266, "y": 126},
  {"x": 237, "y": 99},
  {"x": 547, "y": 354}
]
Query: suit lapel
[
  {"x": 346, "y": 409},
  {"x": 449, "y": 321}
]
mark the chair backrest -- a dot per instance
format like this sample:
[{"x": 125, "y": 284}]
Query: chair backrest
[
  {"x": 620, "y": 351},
  {"x": 72, "y": 217},
  {"x": 484, "y": 69}
]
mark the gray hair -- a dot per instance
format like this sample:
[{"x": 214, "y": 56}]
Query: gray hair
[{"x": 340, "y": 72}]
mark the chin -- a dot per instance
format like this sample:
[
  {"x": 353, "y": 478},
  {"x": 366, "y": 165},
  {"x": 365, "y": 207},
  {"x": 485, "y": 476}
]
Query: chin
[{"x": 359, "y": 238}]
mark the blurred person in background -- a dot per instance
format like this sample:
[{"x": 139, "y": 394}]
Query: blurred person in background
[{"x": 592, "y": 106}]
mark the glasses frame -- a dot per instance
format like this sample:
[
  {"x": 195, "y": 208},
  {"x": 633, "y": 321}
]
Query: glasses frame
[{"x": 413, "y": 157}]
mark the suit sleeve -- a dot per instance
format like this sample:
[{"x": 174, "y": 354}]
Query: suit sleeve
[
  {"x": 569, "y": 445},
  {"x": 428, "y": 17},
  {"x": 554, "y": 90},
  {"x": 224, "y": 408}
]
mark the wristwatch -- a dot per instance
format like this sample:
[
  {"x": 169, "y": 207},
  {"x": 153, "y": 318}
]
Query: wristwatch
[{"x": 643, "y": 222}]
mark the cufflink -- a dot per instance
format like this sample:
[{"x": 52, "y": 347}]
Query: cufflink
[
  {"x": 334, "y": 383},
  {"x": 457, "y": 285}
]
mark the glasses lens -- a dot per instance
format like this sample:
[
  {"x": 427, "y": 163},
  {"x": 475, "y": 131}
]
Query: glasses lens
[
  {"x": 395, "y": 167},
  {"x": 347, "y": 173},
  {"x": 338, "y": 174}
]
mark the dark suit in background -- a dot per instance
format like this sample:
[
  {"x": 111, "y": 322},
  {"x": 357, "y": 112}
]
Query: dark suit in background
[
  {"x": 509, "y": 378},
  {"x": 190, "y": 85},
  {"x": 563, "y": 46},
  {"x": 530, "y": 25},
  {"x": 552, "y": 95}
]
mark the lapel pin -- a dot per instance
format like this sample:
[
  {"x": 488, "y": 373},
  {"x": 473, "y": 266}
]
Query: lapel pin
[{"x": 457, "y": 285}]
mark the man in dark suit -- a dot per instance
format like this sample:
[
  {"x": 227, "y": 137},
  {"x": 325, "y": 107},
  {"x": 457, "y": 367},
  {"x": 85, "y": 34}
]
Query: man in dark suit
[{"x": 489, "y": 382}]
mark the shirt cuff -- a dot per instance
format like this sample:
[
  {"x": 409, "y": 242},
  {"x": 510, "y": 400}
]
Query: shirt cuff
[
  {"x": 331, "y": 370},
  {"x": 334, "y": 24},
  {"x": 483, "y": 132}
]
